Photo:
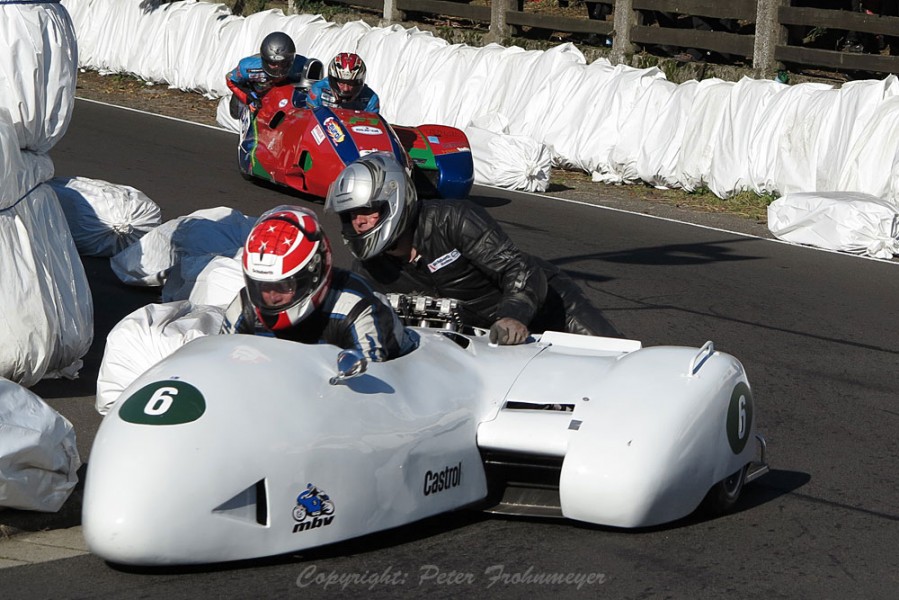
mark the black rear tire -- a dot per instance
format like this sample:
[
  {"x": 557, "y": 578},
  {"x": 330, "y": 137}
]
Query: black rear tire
[{"x": 724, "y": 495}]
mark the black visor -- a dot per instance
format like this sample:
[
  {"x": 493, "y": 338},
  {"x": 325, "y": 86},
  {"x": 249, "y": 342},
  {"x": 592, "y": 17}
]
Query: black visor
[{"x": 277, "y": 69}]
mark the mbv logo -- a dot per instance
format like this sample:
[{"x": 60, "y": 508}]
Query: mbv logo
[
  {"x": 313, "y": 524},
  {"x": 439, "y": 481},
  {"x": 312, "y": 502}
]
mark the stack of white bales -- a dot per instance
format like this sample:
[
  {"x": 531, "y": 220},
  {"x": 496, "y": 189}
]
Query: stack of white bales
[{"x": 46, "y": 313}]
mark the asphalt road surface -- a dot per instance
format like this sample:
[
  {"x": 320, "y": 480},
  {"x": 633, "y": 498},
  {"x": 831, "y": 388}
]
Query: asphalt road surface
[{"x": 817, "y": 332}]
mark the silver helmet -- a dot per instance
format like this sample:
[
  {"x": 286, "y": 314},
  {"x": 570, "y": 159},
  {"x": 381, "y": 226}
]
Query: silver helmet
[
  {"x": 277, "y": 52},
  {"x": 377, "y": 184}
]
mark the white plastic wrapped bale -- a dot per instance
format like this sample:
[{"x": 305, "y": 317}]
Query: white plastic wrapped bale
[
  {"x": 659, "y": 153},
  {"x": 632, "y": 137},
  {"x": 37, "y": 71},
  {"x": 20, "y": 170},
  {"x": 701, "y": 138},
  {"x": 145, "y": 337},
  {"x": 218, "y": 283},
  {"x": 211, "y": 232},
  {"x": 515, "y": 162},
  {"x": 151, "y": 38},
  {"x": 38, "y": 455},
  {"x": 729, "y": 172},
  {"x": 845, "y": 221},
  {"x": 206, "y": 279},
  {"x": 872, "y": 163},
  {"x": 104, "y": 218},
  {"x": 783, "y": 112},
  {"x": 223, "y": 115},
  {"x": 46, "y": 309}
]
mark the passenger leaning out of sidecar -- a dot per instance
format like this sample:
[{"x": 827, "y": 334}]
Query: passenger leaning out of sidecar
[
  {"x": 453, "y": 248},
  {"x": 293, "y": 292},
  {"x": 277, "y": 63}
]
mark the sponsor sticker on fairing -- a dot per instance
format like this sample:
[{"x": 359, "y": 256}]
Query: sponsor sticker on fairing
[
  {"x": 366, "y": 130},
  {"x": 314, "y": 509},
  {"x": 335, "y": 131},
  {"x": 282, "y": 103},
  {"x": 433, "y": 139},
  {"x": 318, "y": 134},
  {"x": 443, "y": 479}
]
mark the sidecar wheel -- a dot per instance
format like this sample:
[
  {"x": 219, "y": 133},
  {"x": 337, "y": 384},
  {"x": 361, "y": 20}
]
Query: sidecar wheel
[
  {"x": 299, "y": 513},
  {"x": 724, "y": 494}
]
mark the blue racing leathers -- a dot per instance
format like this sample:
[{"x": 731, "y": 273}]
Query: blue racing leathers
[
  {"x": 321, "y": 94},
  {"x": 249, "y": 79}
]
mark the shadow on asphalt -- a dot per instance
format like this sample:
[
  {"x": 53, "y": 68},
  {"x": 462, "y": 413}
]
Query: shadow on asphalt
[
  {"x": 437, "y": 525},
  {"x": 769, "y": 487},
  {"x": 14, "y": 521}
]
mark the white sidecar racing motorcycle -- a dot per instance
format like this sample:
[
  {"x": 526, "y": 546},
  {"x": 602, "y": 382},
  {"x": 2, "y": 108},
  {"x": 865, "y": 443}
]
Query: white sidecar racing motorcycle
[{"x": 238, "y": 446}]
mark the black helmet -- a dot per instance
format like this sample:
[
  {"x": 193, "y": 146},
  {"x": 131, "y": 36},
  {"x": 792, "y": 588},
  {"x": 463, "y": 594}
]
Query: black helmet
[{"x": 277, "y": 52}]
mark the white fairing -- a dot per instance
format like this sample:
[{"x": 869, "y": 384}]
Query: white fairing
[
  {"x": 646, "y": 439},
  {"x": 185, "y": 493},
  {"x": 663, "y": 440},
  {"x": 204, "y": 456}
]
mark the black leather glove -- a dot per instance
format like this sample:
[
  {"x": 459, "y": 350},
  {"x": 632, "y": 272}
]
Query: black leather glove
[{"x": 508, "y": 332}]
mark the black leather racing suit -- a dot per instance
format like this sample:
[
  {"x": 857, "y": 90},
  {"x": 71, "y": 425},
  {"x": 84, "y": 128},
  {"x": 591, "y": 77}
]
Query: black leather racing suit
[{"x": 464, "y": 254}]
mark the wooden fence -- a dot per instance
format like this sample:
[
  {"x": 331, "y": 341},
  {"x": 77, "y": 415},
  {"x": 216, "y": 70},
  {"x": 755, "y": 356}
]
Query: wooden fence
[{"x": 772, "y": 34}]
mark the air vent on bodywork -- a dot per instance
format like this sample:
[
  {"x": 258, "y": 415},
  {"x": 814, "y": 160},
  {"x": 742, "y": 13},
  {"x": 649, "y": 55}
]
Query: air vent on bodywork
[
  {"x": 521, "y": 484},
  {"x": 250, "y": 504},
  {"x": 512, "y": 405}
]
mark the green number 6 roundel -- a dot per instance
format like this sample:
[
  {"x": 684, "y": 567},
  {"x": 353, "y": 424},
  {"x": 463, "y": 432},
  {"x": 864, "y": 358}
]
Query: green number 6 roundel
[{"x": 164, "y": 403}]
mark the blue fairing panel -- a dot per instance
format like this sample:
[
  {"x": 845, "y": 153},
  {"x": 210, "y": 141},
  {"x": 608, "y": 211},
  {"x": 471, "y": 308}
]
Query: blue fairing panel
[{"x": 456, "y": 174}]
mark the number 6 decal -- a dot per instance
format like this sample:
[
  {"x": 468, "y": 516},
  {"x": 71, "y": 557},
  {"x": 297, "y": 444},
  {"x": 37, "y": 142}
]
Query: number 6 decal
[
  {"x": 164, "y": 403},
  {"x": 160, "y": 401},
  {"x": 739, "y": 417}
]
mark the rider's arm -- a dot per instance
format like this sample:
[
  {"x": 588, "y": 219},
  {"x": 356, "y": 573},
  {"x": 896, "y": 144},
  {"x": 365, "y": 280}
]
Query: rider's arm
[
  {"x": 374, "y": 104},
  {"x": 481, "y": 240},
  {"x": 314, "y": 95},
  {"x": 238, "y": 83},
  {"x": 370, "y": 324}
]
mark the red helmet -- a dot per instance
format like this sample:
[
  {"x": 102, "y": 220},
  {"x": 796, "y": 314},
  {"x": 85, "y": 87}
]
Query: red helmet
[
  {"x": 346, "y": 75},
  {"x": 286, "y": 266}
]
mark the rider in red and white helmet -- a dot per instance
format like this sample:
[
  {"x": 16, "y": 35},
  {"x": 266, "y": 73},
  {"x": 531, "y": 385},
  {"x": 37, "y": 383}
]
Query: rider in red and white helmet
[
  {"x": 287, "y": 267},
  {"x": 344, "y": 87},
  {"x": 293, "y": 292}
]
